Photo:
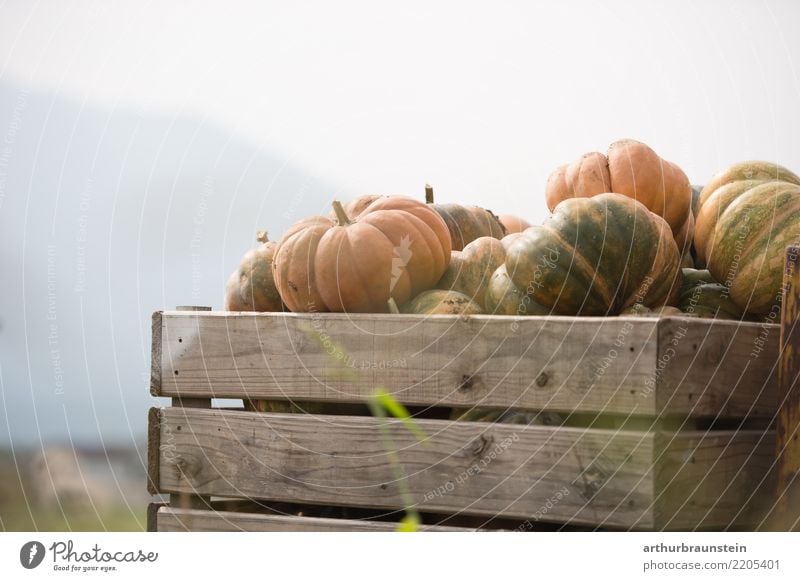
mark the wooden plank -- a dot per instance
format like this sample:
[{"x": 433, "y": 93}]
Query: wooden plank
[
  {"x": 181, "y": 520},
  {"x": 716, "y": 368},
  {"x": 153, "y": 449},
  {"x": 788, "y": 442},
  {"x": 152, "y": 516},
  {"x": 155, "y": 354},
  {"x": 616, "y": 365},
  {"x": 554, "y": 363},
  {"x": 569, "y": 475},
  {"x": 186, "y": 499},
  {"x": 713, "y": 479}
]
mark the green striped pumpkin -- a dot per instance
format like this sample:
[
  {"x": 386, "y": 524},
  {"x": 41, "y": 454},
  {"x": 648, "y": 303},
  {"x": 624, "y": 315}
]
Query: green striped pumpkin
[
  {"x": 747, "y": 215},
  {"x": 704, "y": 297},
  {"x": 471, "y": 269},
  {"x": 597, "y": 256},
  {"x": 442, "y": 302}
]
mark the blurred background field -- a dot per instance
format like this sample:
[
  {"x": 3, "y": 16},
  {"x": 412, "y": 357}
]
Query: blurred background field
[{"x": 63, "y": 489}]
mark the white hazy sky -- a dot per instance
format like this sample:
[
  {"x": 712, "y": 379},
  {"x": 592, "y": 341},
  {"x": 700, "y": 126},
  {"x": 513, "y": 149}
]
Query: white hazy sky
[{"x": 483, "y": 100}]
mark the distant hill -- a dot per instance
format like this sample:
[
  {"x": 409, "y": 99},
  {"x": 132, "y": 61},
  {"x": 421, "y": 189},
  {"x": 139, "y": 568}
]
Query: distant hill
[{"x": 105, "y": 216}]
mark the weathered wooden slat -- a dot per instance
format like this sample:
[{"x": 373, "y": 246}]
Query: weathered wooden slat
[
  {"x": 604, "y": 478},
  {"x": 559, "y": 475},
  {"x": 156, "y": 353},
  {"x": 716, "y": 368},
  {"x": 540, "y": 363},
  {"x": 169, "y": 519},
  {"x": 595, "y": 365},
  {"x": 713, "y": 479},
  {"x": 153, "y": 450},
  {"x": 787, "y": 490}
]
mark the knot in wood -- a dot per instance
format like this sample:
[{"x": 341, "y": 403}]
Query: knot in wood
[
  {"x": 187, "y": 466},
  {"x": 593, "y": 479},
  {"x": 481, "y": 444}
]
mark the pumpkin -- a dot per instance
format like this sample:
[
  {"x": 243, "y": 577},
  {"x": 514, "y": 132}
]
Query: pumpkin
[
  {"x": 354, "y": 207},
  {"x": 597, "y": 256},
  {"x": 632, "y": 169},
  {"x": 503, "y": 297},
  {"x": 703, "y": 297},
  {"x": 442, "y": 302},
  {"x": 696, "y": 201},
  {"x": 479, "y": 272},
  {"x": 466, "y": 223},
  {"x": 693, "y": 277},
  {"x": 471, "y": 269},
  {"x": 513, "y": 224},
  {"x": 251, "y": 287},
  {"x": 396, "y": 247},
  {"x": 748, "y": 214},
  {"x": 639, "y": 310}
]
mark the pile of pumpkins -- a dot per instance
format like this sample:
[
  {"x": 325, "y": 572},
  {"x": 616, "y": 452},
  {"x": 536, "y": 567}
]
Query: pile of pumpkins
[{"x": 627, "y": 235}]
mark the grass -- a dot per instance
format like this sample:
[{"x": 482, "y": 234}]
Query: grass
[{"x": 117, "y": 519}]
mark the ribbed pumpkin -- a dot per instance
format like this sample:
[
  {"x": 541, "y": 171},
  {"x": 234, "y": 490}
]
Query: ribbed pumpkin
[
  {"x": 251, "y": 287},
  {"x": 442, "y": 302},
  {"x": 397, "y": 247},
  {"x": 704, "y": 297},
  {"x": 632, "y": 169},
  {"x": 597, "y": 256},
  {"x": 748, "y": 214},
  {"x": 354, "y": 207},
  {"x": 513, "y": 224},
  {"x": 471, "y": 269},
  {"x": 466, "y": 223},
  {"x": 502, "y": 296}
]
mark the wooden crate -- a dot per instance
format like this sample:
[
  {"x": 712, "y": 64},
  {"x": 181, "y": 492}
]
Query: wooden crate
[{"x": 663, "y": 422}]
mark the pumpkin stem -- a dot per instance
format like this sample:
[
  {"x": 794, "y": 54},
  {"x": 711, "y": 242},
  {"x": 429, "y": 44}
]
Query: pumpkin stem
[
  {"x": 428, "y": 194},
  {"x": 393, "y": 306},
  {"x": 341, "y": 215},
  {"x": 262, "y": 236}
]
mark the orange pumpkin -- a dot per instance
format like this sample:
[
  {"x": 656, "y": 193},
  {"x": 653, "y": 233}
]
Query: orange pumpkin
[
  {"x": 634, "y": 170},
  {"x": 513, "y": 224},
  {"x": 748, "y": 214},
  {"x": 354, "y": 207},
  {"x": 397, "y": 247}
]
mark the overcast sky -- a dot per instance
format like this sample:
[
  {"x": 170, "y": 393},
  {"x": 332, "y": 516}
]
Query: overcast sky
[
  {"x": 143, "y": 143},
  {"x": 482, "y": 99}
]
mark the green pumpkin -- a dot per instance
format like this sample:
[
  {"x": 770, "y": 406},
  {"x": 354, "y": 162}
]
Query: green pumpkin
[
  {"x": 466, "y": 223},
  {"x": 702, "y": 296},
  {"x": 471, "y": 269},
  {"x": 748, "y": 214},
  {"x": 251, "y": 287},
  {"x": 442, "y": 302},
  {"x": 503, "y": 297},
  {"x": 692, "y": 277},
  {"x": 639, "y": 310},
  {"x": 597, "y": 256}
]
